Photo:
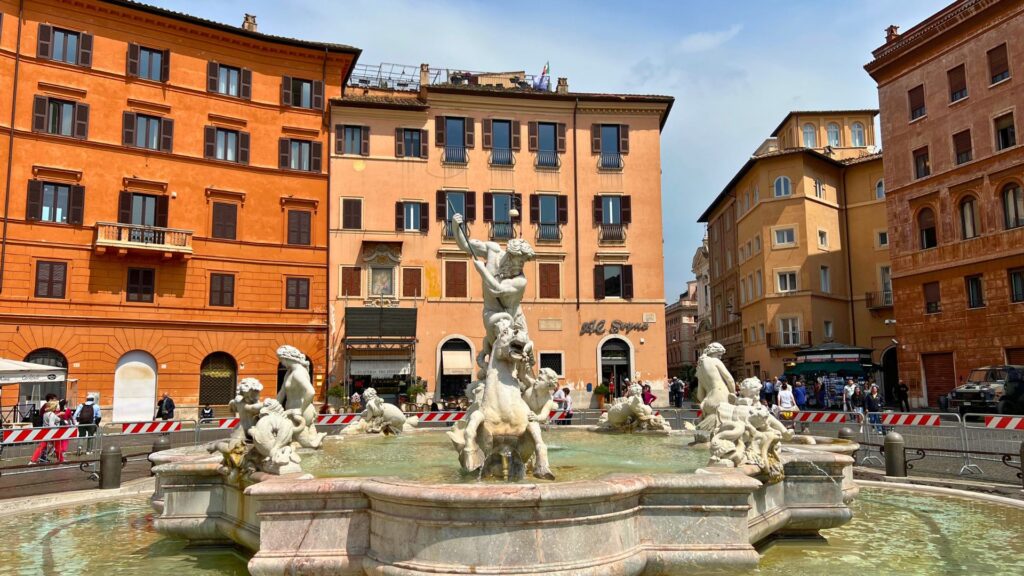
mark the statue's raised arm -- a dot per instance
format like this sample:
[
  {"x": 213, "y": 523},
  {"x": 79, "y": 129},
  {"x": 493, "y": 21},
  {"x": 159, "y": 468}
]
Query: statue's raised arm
[{"x": 472, "y": 247}]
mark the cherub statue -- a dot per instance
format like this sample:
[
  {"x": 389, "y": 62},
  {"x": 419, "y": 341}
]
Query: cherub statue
[
  {"x": 630, "y": 413},
  {"x": 379, "y": 417},
  {"x": 297, "y": 394},
  {"x": 272, "y": 438},
  {"x": 538, "y": 397},
  {"x": 246, "y": 405}
]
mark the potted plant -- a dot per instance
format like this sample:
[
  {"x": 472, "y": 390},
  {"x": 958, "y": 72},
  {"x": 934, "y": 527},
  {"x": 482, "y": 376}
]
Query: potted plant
[
  {"x": 415, "y": 391},
  {"x": 335, "y": 396},
  {"x": 601, "y": 393}
]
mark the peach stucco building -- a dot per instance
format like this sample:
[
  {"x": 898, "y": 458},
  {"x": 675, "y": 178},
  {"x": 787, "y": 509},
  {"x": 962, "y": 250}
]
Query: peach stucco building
[
  {"x": 583, "y": 170},
  {"x": 165, "y": 200}
]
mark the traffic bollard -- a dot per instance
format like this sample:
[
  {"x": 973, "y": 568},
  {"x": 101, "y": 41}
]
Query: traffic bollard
[
  {"x": 110, "y": 468},
  {"x": 163, "y": 442},
  {"x": 895, "y": 456},
  {"x": 846, "y": 433}
]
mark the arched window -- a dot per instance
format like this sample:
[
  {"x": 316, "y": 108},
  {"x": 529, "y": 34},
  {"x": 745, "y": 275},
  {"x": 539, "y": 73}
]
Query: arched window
[
  {"x": 926, "y": 229},
  {"x": 810, "y": 136},
  {"x": 783, "y": 187},
  {"x": 833, "y": 134},
  {"x": 39, "y": 390},
  {"x": 968, "y": 218},
  {"x": 1013, "y": 206},
  {"x": 217, "y": 376},
  {"x": 47, "y": 357},
  {"x": 857, "y": 135},
  {"x": 879, "y": 189}
]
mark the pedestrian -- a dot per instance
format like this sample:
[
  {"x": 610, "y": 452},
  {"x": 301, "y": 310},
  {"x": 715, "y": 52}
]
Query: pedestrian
[
  {"x": 848, "y": 392},
  {"x": 355, "y": 402},
  {"x": 560, "y": 402},
  {"x": 434, "y": 407},
  {"x": 857, "y": 405},
  {"x": 647, "y": 396},
  {"x": 567, "y": 406},
  {"x": 903, "y": 395},
  {"x": 165, "y": 408},
  {"x": 50, "y": 419},
  {"x": 675, "y": 393},
  {"x": 206, "y": 413},
  {"x": 800, "y": 394},
  {"x": 787, "y": 402},
  {"x": 66, "y": 416},
  {"x": 87, "y": 417},
  {"x": 873, "y": 405},
  {"x": 769, "y": 392}
]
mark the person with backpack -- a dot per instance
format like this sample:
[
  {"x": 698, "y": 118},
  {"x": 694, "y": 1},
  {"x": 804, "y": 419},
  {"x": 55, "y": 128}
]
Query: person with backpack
[
  {"x": 206, "y": 413},
  {"x": 50, "y": 420},
  {"x": 87, "y": 416}
]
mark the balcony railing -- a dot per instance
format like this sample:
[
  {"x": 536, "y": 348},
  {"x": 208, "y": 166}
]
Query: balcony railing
[
  {"x": 151, "y": 238},
  {"x": 932, "y": 307},
  {"x": 610, "y": 161},
  {"x": 548, "y": 159},
  {"x": 613, "y": 233},
  {"x": 502, "y": 157},
  {"x": 502, "y": 231},
  {"x": 449, "y": 230},
  {"x": 778, "y": 340},
  {"x": 455, "y": 155},
  {"x": 878, "y": 300},
  {"x": 549, "y": 232}
]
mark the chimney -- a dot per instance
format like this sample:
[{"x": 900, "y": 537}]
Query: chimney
[
  {"x": 424, "y": 80},
  {"x": 563, "y": 85},
  {"x": 249, "y": 23},
  {"x": 892, "y": 33}
]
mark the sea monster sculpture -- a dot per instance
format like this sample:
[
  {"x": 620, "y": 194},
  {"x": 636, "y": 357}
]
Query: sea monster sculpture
[
  {"x": 379, "y": 417},
  {"x": 630, "y": 413}
]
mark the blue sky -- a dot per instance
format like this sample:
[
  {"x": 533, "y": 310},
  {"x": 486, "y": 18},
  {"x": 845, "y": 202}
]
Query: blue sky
[{"x": 735, "y": 68}]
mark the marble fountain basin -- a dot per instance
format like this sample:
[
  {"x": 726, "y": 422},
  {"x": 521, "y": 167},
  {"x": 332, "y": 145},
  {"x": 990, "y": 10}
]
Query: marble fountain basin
[{"x": 653, "y": 518}]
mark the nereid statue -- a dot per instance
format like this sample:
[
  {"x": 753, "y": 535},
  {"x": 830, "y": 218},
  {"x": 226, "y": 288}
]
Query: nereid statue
[
  {"x": 630, "y": 413},
  {"x": 379, "y": 417}
]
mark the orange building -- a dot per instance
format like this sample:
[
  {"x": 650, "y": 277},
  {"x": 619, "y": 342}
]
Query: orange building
[
  {"x": 165, "y": 211},
  {"x": 950, "y": 92},
  {"x": 583, "y": 169}
]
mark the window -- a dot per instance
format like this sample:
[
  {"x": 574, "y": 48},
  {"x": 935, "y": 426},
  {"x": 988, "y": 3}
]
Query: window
[
  {"x": 782, "y": 187},
  {"x": 957, "y": 83},
  {"x": 1006, "y": 135},
  {"x": 832, "y": 131},
  {"x": 758, "y": 284},
  {"x": 819, "y": 188},
  {"x": 227, "y": 145},
  {"x": 828, "y": 330},
  {"x": 413, "y": 217},
  {"x": 932, "y": 299},
  {"x": 353, "y": 140},
  {"x": 612, "y": 137},
  {"x": 962, "y": 147},
  {"x": 141, "y": 284},
  {"x": 456, "y": 138},
  {"x": 998, "y": 64},
  {"x": 455, "y": 282},
  {"x": 302, "y": 93},
  {"x": 299, "y": 224},
  {"x": 501, "y": 206},
  {"x": 1017, "y": 285},
  {"x": 229, "y": 80},
  {"x": 552, "y": 360},
  {"x": 787, "y": 281},
  {"x": 382, "y": 281},
  {"x": 226, "y": 80},
  {"x": 350, "y": 281},
  {"x": 67, "y": 46},
  {"x": 549, "y": 280},
  {"x": 757, "y": 244},
  {"x": 51, "y": 279},
  {"x": 501, "y": 137},
  {"x": 299, "y": 155},
  {"x": 296, "y": 293},
  {"x": 757, "y": 194},
  {"x": 822, "y": 238},
  {"x": 548, "y": 143},
  {"x": 151, "y": 64},
  {"x": 60, "y": 117},
  {"x": 857, "y": 135},
  {"x": 825, "y": 275},
  {"x": 916, "y": 99},
  {"x": 613, "y": 281},
  {"x": 410, "y": 143},
  {"x": 810, "y": 136},
  {"x": 222, "y": 289},
  {"x": 225, "y": 220},
  {"x": 785, "y": 236},
  {"x": 883, "y": 238},
  {"x": 351, "y": 214},
  {"x": 728, "y": 260},
  {"x": 968, "y": 219},
  {"x": 412, "y": 282},
  {"x": 54, "y": 203},
  {"x": 789, "y": 328},
  {"x": 885, "y": 274},
  {"x": 926, "y": 229},
  {"x": 743, "y": 290},
  {"x": 760, "y": 331},
  {"x": 975, "y": 294},
  {"x": 880, "y": 189},
  {"x": 143, "y": 131},
  {"x": 922, "y": 167},
  {"x": 1013, "y": 206}
]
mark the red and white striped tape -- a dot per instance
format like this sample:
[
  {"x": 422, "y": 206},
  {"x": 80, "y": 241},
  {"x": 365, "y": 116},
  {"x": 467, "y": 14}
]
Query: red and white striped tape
[
  {"x": 226, "y": 423},
  {"x": 150, "y": 427},
  {"x": 336, "y": 419},
  {"x": 820, "y": 417},
  {"x": 441, "y": 416},
  {"x": 911, "y": 419},
  {"x": 22, "y": 435},
  {"x": 558, "y": 415},
  {"x": 1005, "y": 422}
]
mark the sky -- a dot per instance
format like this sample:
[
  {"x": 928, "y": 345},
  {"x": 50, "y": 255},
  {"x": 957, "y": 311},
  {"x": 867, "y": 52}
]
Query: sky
[{"x": 735, "y": 68}]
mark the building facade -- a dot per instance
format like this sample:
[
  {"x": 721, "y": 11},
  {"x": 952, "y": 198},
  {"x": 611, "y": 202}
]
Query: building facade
[
  {"x": 700, "y": 266},
  {"x": 165, "y": 201},
  {"x": 681, "y": 332},
  {"x": 723, "y": 281},
  {"x": 949, "y": 90},
  {"x": 566, "y": 171}
]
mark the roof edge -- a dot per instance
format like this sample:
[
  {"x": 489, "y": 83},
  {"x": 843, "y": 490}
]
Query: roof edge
[{"x": 872, "y": 111}]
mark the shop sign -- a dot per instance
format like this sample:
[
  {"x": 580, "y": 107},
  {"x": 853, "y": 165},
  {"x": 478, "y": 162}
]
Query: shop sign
[{"x": 600, "y": 327}]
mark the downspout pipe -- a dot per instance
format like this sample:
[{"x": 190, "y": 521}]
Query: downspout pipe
[
  {"x": 576, "y": 201},
  {"x": 849, "y": 263},
  {"x": 326, "y": 120},
  {"x": 10, "y": 144}
]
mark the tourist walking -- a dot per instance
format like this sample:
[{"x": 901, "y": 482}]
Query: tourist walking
[
  {"x": 768, "y": 392},
  {"x": 848, "y": 392},
  {"x": 873, "y": 405},
  {"x": 903, "y": 395},
  {"x": 567, "y": 406},
  {"x": 165, "y": 408},
  {"x": 560, "y": 402},
  {"x": 50, "y": 419},
  {"x": 648, "y": 397},
  {"x": 857, "y": 405},
  {"x": 87, "y": 417},
  {"x": 67, "y": 418},
  {"x": 800, "y": 394}
]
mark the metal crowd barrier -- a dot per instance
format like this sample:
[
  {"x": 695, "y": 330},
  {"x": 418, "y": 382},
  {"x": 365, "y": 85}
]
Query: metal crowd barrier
[
  {"x": 22, "y": 442},
  {"x": 989, "y": 436},
  {"x": 179, "y": 432}
]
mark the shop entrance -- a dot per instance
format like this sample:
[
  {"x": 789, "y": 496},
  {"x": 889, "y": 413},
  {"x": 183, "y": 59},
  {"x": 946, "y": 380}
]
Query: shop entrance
[
  {"x": 615, "y": 365},
  {"x": 890, "y": 376},
  {"x": 456, "y": 368}
]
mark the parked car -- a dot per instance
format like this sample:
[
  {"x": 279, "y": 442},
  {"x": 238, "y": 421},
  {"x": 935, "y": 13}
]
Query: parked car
[{"x": 998, "y": 389}]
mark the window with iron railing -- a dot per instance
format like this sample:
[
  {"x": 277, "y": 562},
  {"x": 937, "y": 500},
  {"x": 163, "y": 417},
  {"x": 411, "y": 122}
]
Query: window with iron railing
[
  {"x": 547, "y": 145},
  {"x": 502, "y": 157},
  {"x": 500, "y": 142},
  {"x": 611, "y": 153},
  {"x": 455, "y": 141}
]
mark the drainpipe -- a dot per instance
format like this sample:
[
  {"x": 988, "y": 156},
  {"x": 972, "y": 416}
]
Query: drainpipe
[
  {"x": 10, "y": 144},
  {"x": 849, "y": 265},
  {"x": 326, "y": 119},
  {"x": 576, "y": 201}
]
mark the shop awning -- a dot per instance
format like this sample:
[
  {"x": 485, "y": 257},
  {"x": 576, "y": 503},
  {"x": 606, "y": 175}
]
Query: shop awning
[
  {"x": 457, "y": 362},
  {"x": 379, "y": 368},
  {"x": 17, "y": 372},
  {"x": 844, "y": 368}
]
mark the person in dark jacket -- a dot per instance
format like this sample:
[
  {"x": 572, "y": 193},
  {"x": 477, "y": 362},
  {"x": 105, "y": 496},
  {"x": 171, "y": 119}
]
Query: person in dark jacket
[
  {"x": 873, "y": 405},
  {"x": 165, "y": 408},
  {"x": 903, "y": 395}
]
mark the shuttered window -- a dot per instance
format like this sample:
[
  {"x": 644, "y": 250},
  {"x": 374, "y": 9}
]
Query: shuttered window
[
  {"x": 302, "y": 93},
  {"x": 141, "y": 284},
  {"x": 222, "y": 289},
  {"x": 302, "y": 155},
  {"x": 64, "y": 45},
  {"x": 53, "y": 202},
  {"x": 412, "y": 282},
  {"x": 143, "y": 131},
  {"x": 355, "y": 140},
  {"x": 227, "y": 145},
  {"x": 51, "y": 279},
  {"x": 299, "y": 224},
  {"x": 916, "y": 99},
  {"x": 297, "y": 293},
  {"x": 613, "y": 281},
  {"x": 148, "y": 63},
  {"x": 922, "y": 166},
  {"x": 957, "y": 83},
  {"x": 998, "y": 64},
  {"x": 411, "y": 143},
  {"x": 455, "y": 279},
  {"x": 60, "y": 117},
  {"x": 550, "y": 283},
  {"x": 350, "y": 281},
  {"x": 962, "y": 146},
  {"x": 932, "y": 298},
  {"x": 412, "y": 216},
  {"x": 228, "y": 80},
  {"x": 225, "y": 220},
  {"x": 351, "y": 214}
]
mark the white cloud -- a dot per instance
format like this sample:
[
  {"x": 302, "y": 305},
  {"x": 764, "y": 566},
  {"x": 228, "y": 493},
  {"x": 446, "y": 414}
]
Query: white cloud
[{"x": 705, "y": 41}]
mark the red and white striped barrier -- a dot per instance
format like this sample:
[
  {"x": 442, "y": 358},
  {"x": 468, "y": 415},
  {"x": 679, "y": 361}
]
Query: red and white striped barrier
[
  {"x": 911, "y": 419},
  {"x": 1004, "y": 422},
  {"x": 24, "y": 435},
  {"x": 558, "y": 415},
  {"x": 336, "y": 419},
  {"x": 159, "y": 427},
  {"x": 441, "y": 416},
  {"x": 821, "y": 417},
  {"x": 222, "y": 423}
]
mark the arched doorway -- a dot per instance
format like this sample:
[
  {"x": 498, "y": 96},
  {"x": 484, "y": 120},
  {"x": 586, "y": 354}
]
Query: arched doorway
[
  {"x": 455, "y": 367},
  {"x": 282, "y": 371},
  {"x": 135, "y": 387},
  {"x": 217, "y": 376},
  {"x": 890, "y": 375},
  {"x": 35, "y": 391},
  {"x": 616, "y": 364}
]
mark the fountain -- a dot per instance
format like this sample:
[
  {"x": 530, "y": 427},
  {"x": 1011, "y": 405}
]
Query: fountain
[{"x": 656, "y": 517}]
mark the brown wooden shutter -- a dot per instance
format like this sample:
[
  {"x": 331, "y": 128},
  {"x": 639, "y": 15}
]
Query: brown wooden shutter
[
  {"x": 962, "y": 142},
  {"x": 210, "y": 142},
  {"x": 34, "y": 201},
  {"x": 599, "y": 282},
  {"x": 424, "y": 216},
  {"x": 39, "y": 105},
  {"x": 161, "y": 211},
  {"x": 124, "y": 208},
  {"x": 339, "y": 138},
  {"x": 165, "y": 66},
  {"x": 243, "y": 147},
  {"x": 166, "y": 135},
  {"x": 284, "y": 153},
  {"x": 399, "y": 216},
  {"x": 364, "y": 141},
  {"x": 318, "y": 95},
  {"x": 488, "y": 207},
  {"x": 517, "y": 203},
  {"x": 81, "y": 121},
  {"x": 286, "y": 90},
  {"x": 350, "y": 281},
  {"x": 488, "y": 133},
  {"x": 399, "y": 142},
  {"x": 957, "y": 79},
  {"x": 517, "y": 140},
  {"x": 424, "y": 144},
  {"x": 76, "y": 205},
  {"x": 931, "y": 292},
  {"x": 44, "y": 47},
  {"x": 626, "y": 207},
  {"x": 531, "y": 136},
  {"x": 470, "y": 206},
  {"x": 58, "y": 279},
  {"x": 470, "y": 133},
  {"x": 997, "y": 61},
  {"x": 212, "y": 76},
  {"x": 916, "y": 97},
  {"x": 439, "y": 130},
  {"x": 560, "y": 133},
  {"x": 412, "y": 283},
  {"x": 548, "y": 280},
  {"x": 455, "y": 279},
  {"x": 441, "y": 209},
  {"x": 595, "y": 138},
  {"x": 316, "y": 156},
  {"x": 627, "y": 281},
  {"x": 534, "y": 209},
  {"x": 598, "y": 216},
  {"x": 224, "y": 218},
  {"x": 128, "y": 129},
  {"x": 85, "y": 50},
  {"x": 623, "y": 138},
  {"x": 563, "y": 209},
  {"x": 245, "y": 84},
  {"x": 132, "y": 67}
]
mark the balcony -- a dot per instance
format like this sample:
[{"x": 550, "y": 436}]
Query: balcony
[
  {"x": 125, "y": 237},
  {"x": 502, "y": 231},
  {"x": 613, "y": 233},
  {"x": 784, "y": 340},
  {"x": 455, "y": 155},
  {"x": 549, "y": 233},
  {"x": 878, "y": 300},
  {"x": 610, "y": 161},
  {"x": 502, "y": 158},
  {"x": 548, "y": 159}
]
